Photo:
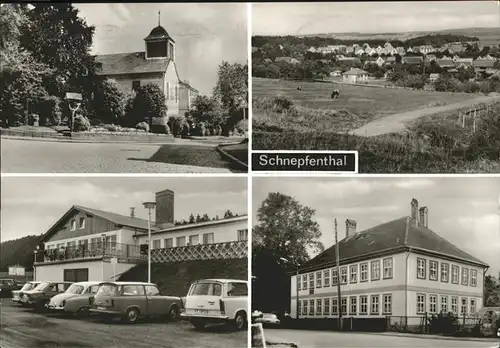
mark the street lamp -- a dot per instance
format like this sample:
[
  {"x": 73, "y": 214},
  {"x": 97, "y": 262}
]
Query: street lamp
[
  {"x": 297, "y": 265},
  {"x": 35, "y": 252},
  {"x": 149, "y": 206}
]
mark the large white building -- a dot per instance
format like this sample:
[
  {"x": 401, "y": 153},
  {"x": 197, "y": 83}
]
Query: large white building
[
  {"x": 399, "y": 268},
  {"x": 90, "y": 244}
]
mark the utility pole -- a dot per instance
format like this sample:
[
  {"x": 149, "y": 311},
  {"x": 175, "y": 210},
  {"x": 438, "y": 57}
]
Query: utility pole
[{"x": 339, "y": 297}]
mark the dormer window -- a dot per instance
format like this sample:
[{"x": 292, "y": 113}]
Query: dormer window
[
  {"x": 81, "y": 224},
  {"x": 73, "y": 225}
]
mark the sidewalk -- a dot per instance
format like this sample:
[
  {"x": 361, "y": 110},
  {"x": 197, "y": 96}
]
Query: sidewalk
[{"x": 438, "y": 337}]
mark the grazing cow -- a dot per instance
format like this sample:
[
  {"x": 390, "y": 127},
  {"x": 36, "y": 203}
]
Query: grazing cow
[
  {"x": 299, "y": 88},
  {"x": 335, "y": 94}
]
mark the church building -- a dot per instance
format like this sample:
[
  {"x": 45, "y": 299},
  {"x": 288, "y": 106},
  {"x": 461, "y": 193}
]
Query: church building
[{"x": 155, "y": 65}]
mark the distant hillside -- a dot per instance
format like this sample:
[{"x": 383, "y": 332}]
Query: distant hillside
[
  {"x": 175, "y": 278},
  {"x": 486, "y": 36},
  {"x": 18, "y": 251}
]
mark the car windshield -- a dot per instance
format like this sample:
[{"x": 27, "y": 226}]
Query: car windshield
[
  {"x": 206, "y": 289},
  {"x": 28, "y": 286},
  {"x": 42, "y": 286},
  {"x": 75, "y": 289},
  {"x": 107, "y": 290}
]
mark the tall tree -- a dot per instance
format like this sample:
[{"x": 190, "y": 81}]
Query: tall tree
[
  {"x": 287, "y": 228},
  {"x": 231, "y": 91},
  {"x": 20, "y": 75},
  {"x": 56, "y": 36}
]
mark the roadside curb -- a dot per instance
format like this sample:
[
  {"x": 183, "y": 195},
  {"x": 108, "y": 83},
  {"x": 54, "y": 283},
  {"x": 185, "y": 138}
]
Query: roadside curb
[
  {"x": 87, "y": 141},
  {"x": 437, "y": 337},
  {"x": 231, "y": 157}
]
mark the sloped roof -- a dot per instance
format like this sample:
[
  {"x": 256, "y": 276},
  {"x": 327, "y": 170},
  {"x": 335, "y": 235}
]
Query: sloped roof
[
  {"x": 445, "y": 62},
  {"x": 411, "y": 60},
  {"x": 484, "y": 63},
  {"x": 118, "y": 219},
  {"x": 158, "y": 33},
  {"x": 130, "y": 63},
  {"x": 355, "y": 71},
  {"x": 396, "y": 235}
]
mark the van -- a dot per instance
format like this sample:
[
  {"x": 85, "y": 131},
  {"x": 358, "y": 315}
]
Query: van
[{"x": 217, "y": 301}]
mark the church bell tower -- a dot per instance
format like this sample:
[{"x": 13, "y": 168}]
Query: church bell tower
[{"x": 159, "y": 45}]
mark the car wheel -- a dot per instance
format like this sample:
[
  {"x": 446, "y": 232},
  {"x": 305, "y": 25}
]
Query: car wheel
[
  {"x": 198, "y": 323},
  {"x": 82, "y": 312},
  {"x": 240, "y": 321},
  {"x": 131, "y": 316},
  {"x": 173, "y": 313}
]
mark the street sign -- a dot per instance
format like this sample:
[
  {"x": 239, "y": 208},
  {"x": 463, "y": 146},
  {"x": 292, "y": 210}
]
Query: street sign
[
  {"x": 73, "y": 96},
  {"x": 16, "y": 271}
]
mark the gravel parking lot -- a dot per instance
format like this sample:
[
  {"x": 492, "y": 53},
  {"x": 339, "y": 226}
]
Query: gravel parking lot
[{"x": 22, "y": 328}]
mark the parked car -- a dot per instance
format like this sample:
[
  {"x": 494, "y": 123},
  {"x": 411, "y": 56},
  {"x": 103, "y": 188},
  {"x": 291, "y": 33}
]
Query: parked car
[
  {"x": 40, "y": 296},
  {"x": 6, "y": 287},
  {"x": 75, "y": 300},
  {"x": 268, "y": 319},
  {"x": 18, "y": 294},
  {"x": 134, "y": 300},
  {"x": 217, "y": 301}
]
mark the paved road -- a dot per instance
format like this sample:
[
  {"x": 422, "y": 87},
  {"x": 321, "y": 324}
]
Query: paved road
[
  {"x": 22, "y": 328},
  {"x": 397, "y": 122},
  {"x": 322, "y": 339},
  {"x": 34, "y": 156}
]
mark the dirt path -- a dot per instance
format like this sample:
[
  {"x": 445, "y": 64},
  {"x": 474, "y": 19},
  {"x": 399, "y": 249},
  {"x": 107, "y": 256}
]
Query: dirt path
[{"x": 397, "y": 122}]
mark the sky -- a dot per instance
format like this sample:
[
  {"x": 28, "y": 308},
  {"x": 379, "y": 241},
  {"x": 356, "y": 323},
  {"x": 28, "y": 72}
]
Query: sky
[
  {"x": 465, "y": 211},
  {"x": 204, "y": 34},
  {"x": 31, "y": 205},
  {"x": 371, "y": 17}
]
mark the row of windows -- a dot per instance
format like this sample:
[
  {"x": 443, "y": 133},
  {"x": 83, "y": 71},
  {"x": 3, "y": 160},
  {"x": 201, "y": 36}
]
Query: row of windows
[
  {"x": 465, "y": 276},
  {"x": 95, "y": 243},
  {"x": 373, "y": 270},
  {"x": 352, "y": 305},
  {"x": 429, "y": 303}
]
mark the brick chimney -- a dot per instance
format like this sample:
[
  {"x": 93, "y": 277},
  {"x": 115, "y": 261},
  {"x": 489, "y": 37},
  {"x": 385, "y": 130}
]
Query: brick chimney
[
  {"x": 424, "y": 219},
  {"x": 414, "y": 210},
  {"x": 164, "y": 209},
  {"x": 350, "y": 228},
  {"x": 132, "y": 212}
]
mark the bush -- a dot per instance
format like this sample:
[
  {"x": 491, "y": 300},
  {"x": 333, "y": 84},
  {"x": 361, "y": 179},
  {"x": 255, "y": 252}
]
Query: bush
[
  {"x": 282, "y": 103},
  {"x": 109, "y": 102},
  {"x": 443, "y": 323},
  {"x": 111, "y": 127},
  {"x": 143, "y": 125},
  {"x": 50, "y": 111},
  {"x": 178, "y": 125},
  {"x": 485, "y": 142},
  {"x": 148, "y": 105},
  {"x": 81, "y": 124}
]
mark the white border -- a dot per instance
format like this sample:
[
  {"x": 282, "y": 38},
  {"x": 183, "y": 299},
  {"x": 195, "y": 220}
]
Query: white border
[
  {"x": 249, "y": 175},
  {"x": 310, "y": 173}
]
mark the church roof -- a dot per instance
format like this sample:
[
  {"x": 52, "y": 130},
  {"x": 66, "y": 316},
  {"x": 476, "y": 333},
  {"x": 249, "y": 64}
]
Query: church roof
[
  {"x": 130, "y": 63},
  {"x": 158, "y": 33}
]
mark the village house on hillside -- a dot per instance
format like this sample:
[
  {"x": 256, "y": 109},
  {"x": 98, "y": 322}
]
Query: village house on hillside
[
  {"x": 355, "y": 75},
  {"x": 82, "y": 244},
  {"x": 156, "y": 64},
  {"x": 400, "y": 268}
]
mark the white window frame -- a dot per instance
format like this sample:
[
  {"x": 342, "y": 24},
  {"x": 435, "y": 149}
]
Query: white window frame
[
  {"x": 433, "y": 270},
  {"x": 311, "y": 280},
  {"x": 445, "y": 272},
  {"x": 312, "y": 305},
  {"x": 343, "y": 275},
  {"x": 299, "y": 282},
  {"x": 319, "y": 279},
  {"x": 420, "y": 303},
  {"x": 72, "y": 224},
  {"x": 363, "y": 272},
  {"x": 304, "y": 307},
  {"x": 353, "y": 274},
  {"x": 473, "y": 277},
  {"x": 374, "y": 305},
  {"x": 455, "y": 276},
  {"x": 454, "y": 304},
  {"x": 335, "y": 306},
  {"x": 319, "y": 306},
  {"x": 464, "y": 305},
  {"x": 433, "y": 304},
  {"x": 326, "y": 306},
  {"x": 472, "y": 306},
  {"x": 304, "y": 282},
  {"x": 375, "y": 270},
  {"x": 326, "y": 278},
  {"x": 387, "y": 304},
  {"x": 343, "y": 305},
  {"x": 353, "y": 305},
  {"x": 81, "y": 223},
  {"x": 464, "y": 276},
  {"x": 388, "y": 268},
  {"x": 335, "y": 277},
  {"x": 363, "y": 304},
  {"x": 444, "y": 304},
  {"x": 421, "y": 268}
]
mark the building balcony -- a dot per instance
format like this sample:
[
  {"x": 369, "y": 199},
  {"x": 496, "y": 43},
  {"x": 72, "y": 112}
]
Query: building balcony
[{"x": 124, "y": 253}]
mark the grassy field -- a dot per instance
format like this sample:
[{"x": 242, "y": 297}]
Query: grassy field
[{"x": 359, "y": 104}]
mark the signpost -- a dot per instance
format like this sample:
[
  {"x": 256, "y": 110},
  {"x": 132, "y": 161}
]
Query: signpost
[{"x": 74, "y": 102}]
